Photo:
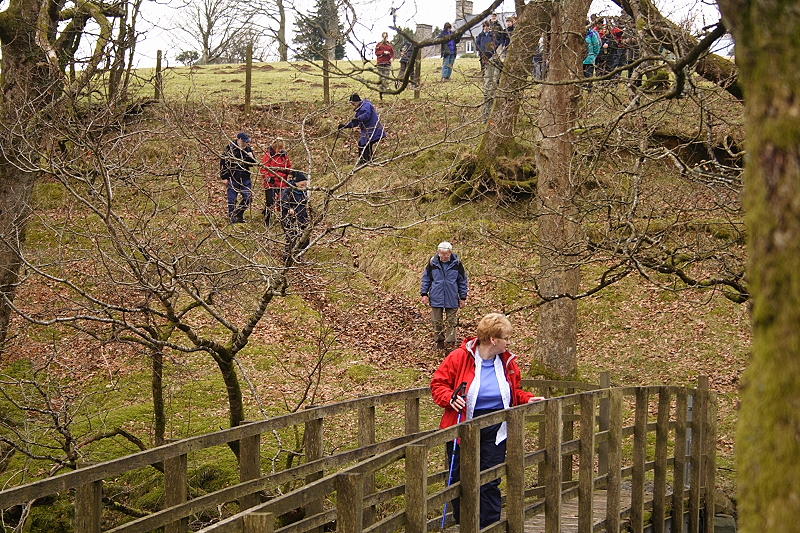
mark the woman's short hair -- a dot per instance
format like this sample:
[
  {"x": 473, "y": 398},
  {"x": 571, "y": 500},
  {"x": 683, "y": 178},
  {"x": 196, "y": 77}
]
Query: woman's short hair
[{"x": 494, "y": 325}]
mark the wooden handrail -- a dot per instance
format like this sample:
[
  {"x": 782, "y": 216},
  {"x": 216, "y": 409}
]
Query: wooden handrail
[{"x": 586, "y": 445}]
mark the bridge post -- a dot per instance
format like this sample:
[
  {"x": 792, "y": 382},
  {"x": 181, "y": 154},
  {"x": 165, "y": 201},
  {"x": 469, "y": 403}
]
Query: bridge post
[
  {"x": 88, "y": 507},
  {"x": 249, "y": 466},
  {"x": 470, "y": 478},
  {"x": 417, "y": 488},
  {"x": 176, "y": 489},
  {"x": 696, "y": 460},
  {"x": 312, "y": 436},
  {"x": 660, "y": 466},
  {"x": 553, "y": 422},
  {"x": 710, "y": 461},
  {"x": 366, "y": 436},
  {"x": 586, "y": 466},
  {"x": 258, "y": 523},
  {"x": 349, "y": 502},
  {"x": 602, "y": 450},
  {"x": 639, "y": 459},
  {"x": 412, "y": 415},
  {"x": 679, "y": 467},
  {"x": 515, "y": 471},
  {"x": 614, "y": 460},
  {"x": 567, "y": 435}
]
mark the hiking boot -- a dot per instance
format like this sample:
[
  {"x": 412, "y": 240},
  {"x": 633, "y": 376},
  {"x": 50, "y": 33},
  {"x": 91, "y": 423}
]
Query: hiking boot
[{"x": 440, "y": 345}]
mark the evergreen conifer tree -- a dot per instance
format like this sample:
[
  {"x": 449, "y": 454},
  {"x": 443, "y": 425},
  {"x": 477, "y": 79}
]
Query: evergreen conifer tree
[{"x": 310, "y": 32}]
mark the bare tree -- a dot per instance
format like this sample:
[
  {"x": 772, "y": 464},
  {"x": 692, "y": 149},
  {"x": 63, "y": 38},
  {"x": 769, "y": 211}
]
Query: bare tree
[{"x": 215, "y": 26}]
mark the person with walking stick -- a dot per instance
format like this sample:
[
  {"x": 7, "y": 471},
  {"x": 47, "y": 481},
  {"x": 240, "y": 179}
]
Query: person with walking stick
[{"x": 492, "y": 381}]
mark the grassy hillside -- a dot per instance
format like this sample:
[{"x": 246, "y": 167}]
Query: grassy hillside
[{"x": 353, "y": 303}]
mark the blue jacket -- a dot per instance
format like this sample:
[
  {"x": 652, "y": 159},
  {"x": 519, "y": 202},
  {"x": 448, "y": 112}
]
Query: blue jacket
[
  {"x": 592, "y": 47},
  {"x": 235, "y": 163},
  {"x": 369, "y": 122},
  {"x": 448, "y": 48},
  {"x": 486, "y": 43},
  {"x": 444, "y": 283}
]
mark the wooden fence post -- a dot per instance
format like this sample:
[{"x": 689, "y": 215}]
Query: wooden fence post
[
  {"x": 176, "y": 489},
  {"x": 312, "y": 437},
  {"x": 567, "y": 435},
  {"x": 412, "y": 415},
  {"x": 469, "y": 455},
  {"x": 366, "y": 436},
  {"x": 710, "y": 460},
  {"x": 159, "y": 88},
  {"x": 248, "y": 78},
  {"x": 349, "y": 502},
  {"x": 602, "y": 451},
  {"x": 696, "y": 460},
  {"x": 88, "y": 507},
  {"x": 586, "y": 465},
  {"x": 679, "y": 467},
  {"x": 554, "y": 424},
  {"x": 639, "y": 459},
  {"x": 418, "y": 74},
  {"x": 515, "y": 471},
  {"x": 326, "y": 78},
  {"x": 614, "y": 460},
  {"x": 660, "y": 466},
  {"x": 249, "y": 467},
  {"x": 258, "y": 523},
  {"x": 417, "y": 488}
]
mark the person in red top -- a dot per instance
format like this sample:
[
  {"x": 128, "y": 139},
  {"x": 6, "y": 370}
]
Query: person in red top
[
  {"x": 493, "y": 382},
  {"x": 384, "y": 53},
  {"x": 276, "y": 170}
]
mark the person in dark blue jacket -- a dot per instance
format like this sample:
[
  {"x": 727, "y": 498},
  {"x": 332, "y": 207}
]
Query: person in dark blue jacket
[
  {"x": 234, "y": 169},
  {"x": 369, "y": 122},
  {"x": 444, "y": 287},
  {"x": 294, "y": 214}
]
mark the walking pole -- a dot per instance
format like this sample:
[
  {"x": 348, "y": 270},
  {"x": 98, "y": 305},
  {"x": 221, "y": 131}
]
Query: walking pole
[{"x": 460, "y": 391}]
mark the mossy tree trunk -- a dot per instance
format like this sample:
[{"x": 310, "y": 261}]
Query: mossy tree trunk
[
  {"x": 499, "y": 137},
  {"x": 558, "y": 231},
  {"x": 768, "y": 434},
  {"x": 714, "y": 68}
]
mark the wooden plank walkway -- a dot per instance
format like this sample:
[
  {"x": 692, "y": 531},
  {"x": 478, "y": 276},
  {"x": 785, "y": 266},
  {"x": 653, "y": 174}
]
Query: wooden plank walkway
[{"x": 569, "y": 512}]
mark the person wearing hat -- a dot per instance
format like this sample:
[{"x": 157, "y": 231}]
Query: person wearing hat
[
  {"x": 294, "y": 214},
  {"x": 234, "y": 169},
  {"x": 444, "y": 287},
  {"x": 369, "y": 122}
]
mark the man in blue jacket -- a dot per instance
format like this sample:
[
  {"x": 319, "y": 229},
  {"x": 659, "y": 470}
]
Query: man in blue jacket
[
  {"x": 369, "y": 122},
  {"x": 444, "y": 288},
  {"x": 234, "y": 170}
]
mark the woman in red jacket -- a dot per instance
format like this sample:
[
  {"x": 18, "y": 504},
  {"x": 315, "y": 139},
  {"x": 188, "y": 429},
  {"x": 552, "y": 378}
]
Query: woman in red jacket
[
  {"x": 276, "y": 170},
  {"x": 493, "y": 379}
]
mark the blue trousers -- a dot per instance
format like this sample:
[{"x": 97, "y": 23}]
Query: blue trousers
[
  {"x": 447, "y": 65},
  {"x": 491, "y": 455},
  {"x": 237, "y": 206}
]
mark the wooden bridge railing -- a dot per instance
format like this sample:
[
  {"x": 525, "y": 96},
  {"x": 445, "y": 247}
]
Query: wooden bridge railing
[
  {"x": 668, "y": 475},
  {"x": 352, "y": 445}
]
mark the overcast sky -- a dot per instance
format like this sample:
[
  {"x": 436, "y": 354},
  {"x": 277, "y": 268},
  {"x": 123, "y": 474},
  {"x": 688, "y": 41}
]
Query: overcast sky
[{"x": 373, "y": 18}]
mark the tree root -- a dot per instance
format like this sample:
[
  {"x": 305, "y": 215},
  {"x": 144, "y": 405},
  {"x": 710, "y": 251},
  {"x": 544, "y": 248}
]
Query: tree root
[{"x": 511, "y": 177}]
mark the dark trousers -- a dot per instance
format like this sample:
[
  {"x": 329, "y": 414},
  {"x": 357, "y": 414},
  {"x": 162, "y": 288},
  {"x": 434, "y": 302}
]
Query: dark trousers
[
  {"x": 272, "y": 202},
  {"x": 236, "y": 205},
  {"x": 366, "y": 152},
  {"x": 293, "y": 230},
  {"x": 491, "y": 455}
]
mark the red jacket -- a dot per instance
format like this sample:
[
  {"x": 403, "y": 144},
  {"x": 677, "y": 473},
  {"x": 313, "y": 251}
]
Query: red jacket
[
  {"x": 384, "y": 53},
  {"x": 276, "y": 169},
  {"x": 460, "y": 366}
]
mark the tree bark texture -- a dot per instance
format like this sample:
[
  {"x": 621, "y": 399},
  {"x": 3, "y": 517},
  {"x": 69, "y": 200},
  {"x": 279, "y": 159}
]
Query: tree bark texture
[
  {"x": 651, "y": 22},
  {"x": 517, "y": 68},
  {"x": 283, "y": 47},
  {"x": 768, "y": 433},
  {"x": 28, "y": 83},
  {"x": 558, "y": 231}
]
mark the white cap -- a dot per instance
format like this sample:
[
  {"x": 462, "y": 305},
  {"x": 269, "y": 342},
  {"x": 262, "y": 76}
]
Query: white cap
[{"x": 445, "y": 246}]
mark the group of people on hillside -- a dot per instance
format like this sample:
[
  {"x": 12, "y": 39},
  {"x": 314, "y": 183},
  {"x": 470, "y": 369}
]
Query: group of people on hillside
[
  {"x": 609, "y": 46},
  {"x": 285, "y": 188}
]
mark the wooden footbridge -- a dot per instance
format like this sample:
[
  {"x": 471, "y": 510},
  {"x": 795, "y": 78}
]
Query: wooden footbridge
[{"x": 591, "y": 458}]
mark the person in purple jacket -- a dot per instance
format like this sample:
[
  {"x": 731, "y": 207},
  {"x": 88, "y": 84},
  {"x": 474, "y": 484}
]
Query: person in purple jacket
[{"x": 369, "y": 122}]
